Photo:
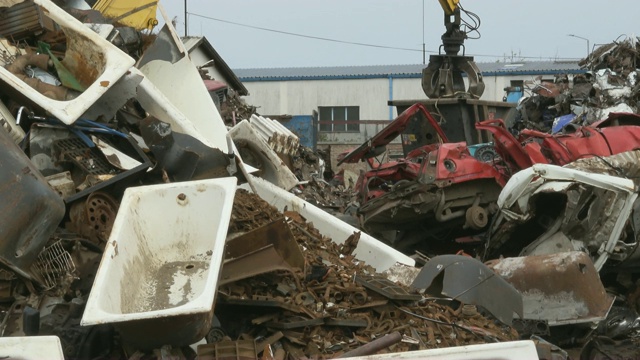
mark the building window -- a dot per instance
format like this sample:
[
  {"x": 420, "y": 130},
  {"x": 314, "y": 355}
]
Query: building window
[{"x": 339, "y": 118}]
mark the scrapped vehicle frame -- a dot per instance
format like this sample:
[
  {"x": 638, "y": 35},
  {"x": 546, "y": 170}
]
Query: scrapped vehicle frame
[
  {"x": 431, "y": 183},
  {"x": 597, "y": 208},
  {"x": 442, "y": 189}
]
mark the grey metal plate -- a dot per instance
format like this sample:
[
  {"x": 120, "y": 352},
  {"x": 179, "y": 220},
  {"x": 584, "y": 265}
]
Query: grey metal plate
[{"x": 386, "y": 288}]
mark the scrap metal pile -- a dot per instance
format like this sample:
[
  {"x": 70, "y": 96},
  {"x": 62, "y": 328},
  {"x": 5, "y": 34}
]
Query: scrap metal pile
[
  {"x": 564, "y": 236},
  {"x": 323, "y": 302},
  {"x": 80, "y": 126},
  {"x": 235, "y": 108},
  {"x": 125, "y": 237},
  {"x": 610, "y": 85},
  {"x": 332, "y": 196},
  {"x": 550, "y": 210}
]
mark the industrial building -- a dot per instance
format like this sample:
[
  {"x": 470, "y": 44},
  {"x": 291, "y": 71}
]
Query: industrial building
[{"x": 349, "y": 104}]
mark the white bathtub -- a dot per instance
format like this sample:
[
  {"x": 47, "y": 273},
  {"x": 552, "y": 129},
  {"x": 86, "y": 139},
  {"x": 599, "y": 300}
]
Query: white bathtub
[
  {"x": 158, "y": 275},
  {"x": 511, "y": 350},
  {"x": 85, "y": 48},
  {"x": 31, "y": 348},
  {"x": 371, "y": 250}
]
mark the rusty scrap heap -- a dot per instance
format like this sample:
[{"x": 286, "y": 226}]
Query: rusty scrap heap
[
  {"x": 235, "y": 108},
  {"x": 548, "y": 210},
  {"x": 126, "y": 235},
  {"x": 610, "y": 85},
  {"x": 137, "y": 225},
  {"x": 332, "y": 303}
]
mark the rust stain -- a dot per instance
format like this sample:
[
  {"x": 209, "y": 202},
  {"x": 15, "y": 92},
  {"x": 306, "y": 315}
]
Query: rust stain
[{"x": 83, "y": 58}]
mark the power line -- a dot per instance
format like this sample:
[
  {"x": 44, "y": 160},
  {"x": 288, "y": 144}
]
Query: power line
[
  {"x": 307, "y": 36},
  {"x": 359, "y": 43}
]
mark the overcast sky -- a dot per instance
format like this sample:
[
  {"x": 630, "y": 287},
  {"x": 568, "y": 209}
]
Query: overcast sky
[{"x": 536, "y": 29}]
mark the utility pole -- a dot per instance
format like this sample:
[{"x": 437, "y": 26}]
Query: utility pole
[
  {"x": 186, "y": 14},
  {"x": 585, "y": 39},
  {"x": 424, "y": 51}
]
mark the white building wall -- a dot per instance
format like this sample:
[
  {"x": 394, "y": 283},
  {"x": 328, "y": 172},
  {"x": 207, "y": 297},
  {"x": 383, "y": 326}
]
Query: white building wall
[
  {"x": 302, "y": 97},
  {"x": 404, "y": 89},
  {"x": 305, "y": 96}
]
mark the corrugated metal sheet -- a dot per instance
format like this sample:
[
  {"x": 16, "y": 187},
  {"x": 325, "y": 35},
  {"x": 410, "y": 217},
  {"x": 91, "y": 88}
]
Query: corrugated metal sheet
[
  {"x": 410, "y": 70},
  {"x": 281, "y": 139},
  {"x": 320, "y": 72},
  {"x": 20, "y": 21}
]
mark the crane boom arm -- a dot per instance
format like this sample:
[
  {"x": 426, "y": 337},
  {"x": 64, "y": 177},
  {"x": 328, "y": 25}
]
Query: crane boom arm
[
  {"x": 443, "y": 77},
  {"x": 449, "y": 6}
]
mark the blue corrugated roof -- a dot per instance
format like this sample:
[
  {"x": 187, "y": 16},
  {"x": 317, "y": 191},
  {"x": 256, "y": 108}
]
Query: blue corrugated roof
[{"x": 401, "y": 71}]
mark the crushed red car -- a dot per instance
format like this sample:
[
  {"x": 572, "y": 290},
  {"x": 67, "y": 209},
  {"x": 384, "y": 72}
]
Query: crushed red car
[{"x": 445, "y": 191}]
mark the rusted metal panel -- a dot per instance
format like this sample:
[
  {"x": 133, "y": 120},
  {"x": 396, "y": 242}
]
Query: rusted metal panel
[
  {"x": 20, "y": 21},
  {"x": 560, "y": 288},
  {"x": 267, "y": 248},
  {"x": 276, "y": 233},
  {"x": 229, "y": 350},
  {"x": 31, "y": 210},
  {"x": 260, "y": 261}
]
